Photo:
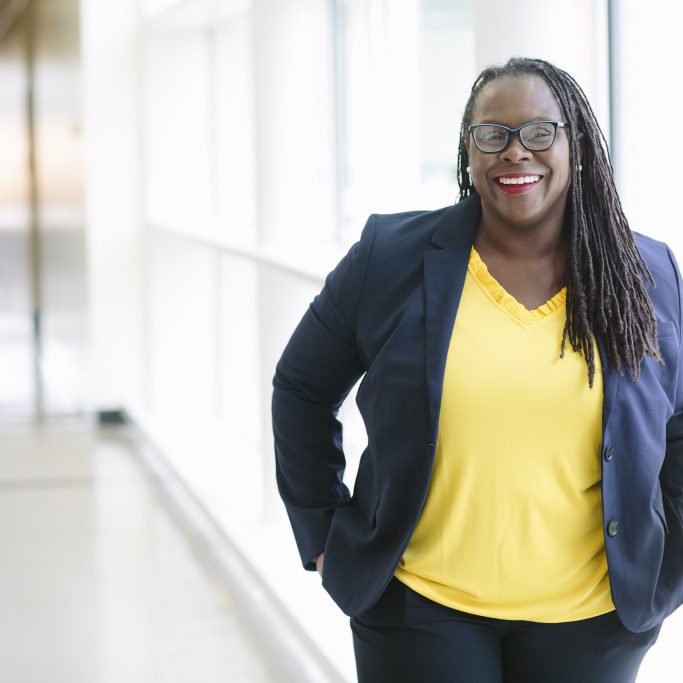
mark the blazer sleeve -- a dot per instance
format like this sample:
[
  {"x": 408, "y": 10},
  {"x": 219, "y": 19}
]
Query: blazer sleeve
[
  {"x": 671, "y": 476},
  {"x": 318, "y": 368}
]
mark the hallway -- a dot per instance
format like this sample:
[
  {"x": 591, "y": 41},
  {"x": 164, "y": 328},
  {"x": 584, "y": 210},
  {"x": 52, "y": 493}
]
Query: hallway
[{"x": 98, "y": 582}]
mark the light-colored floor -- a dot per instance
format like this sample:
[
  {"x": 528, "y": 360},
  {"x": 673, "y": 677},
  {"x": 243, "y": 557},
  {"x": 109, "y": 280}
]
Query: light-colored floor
[
  {"x": 97, "y": 582},
  {"x": 100, "y": 584}
]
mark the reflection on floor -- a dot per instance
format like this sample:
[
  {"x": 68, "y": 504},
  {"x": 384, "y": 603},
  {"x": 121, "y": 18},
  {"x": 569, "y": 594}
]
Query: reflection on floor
[{"x": 97, "y": 582}]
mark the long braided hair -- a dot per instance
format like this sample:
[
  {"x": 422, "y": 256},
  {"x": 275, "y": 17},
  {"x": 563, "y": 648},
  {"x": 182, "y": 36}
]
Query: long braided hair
[{"x": 606, "y": 275}]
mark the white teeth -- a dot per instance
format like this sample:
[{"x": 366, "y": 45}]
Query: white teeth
[{"x": 520, "y": 181}]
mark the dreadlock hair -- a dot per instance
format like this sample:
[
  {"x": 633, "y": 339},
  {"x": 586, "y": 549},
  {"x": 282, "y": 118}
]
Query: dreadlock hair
[{"x": 605, "y": 274}]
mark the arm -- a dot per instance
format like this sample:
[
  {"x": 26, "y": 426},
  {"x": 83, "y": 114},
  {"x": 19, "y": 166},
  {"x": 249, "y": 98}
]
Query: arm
[
  {"x": 671, "y": 475},
  {"x": 671, "y": 480},
  {"x": 317, "y": 369}
]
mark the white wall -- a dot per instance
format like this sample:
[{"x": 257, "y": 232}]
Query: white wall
[
  {"x": 113, "y": 188},
  {"x": 649, "y": 99}
]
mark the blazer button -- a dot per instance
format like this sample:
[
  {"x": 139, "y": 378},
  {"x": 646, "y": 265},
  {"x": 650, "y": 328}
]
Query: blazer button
[
  {"x": 613, "y": 528},
  {"x": 609, "y": 452}
]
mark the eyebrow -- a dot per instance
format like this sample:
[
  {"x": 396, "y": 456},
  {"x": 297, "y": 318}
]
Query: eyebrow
[{"x": 537, "y": 118}]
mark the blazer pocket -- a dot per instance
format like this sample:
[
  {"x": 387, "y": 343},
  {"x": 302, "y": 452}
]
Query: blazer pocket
[
  {"x": 368, "y": 506},
  {"x": 657, "y": 505},
  {"x": 364, "y": 494},
  {"x": 664, "y": 374},
  {"x": 665, "y": 328}
]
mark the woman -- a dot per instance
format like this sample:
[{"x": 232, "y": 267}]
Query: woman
[{"x": 518, "y": 512}]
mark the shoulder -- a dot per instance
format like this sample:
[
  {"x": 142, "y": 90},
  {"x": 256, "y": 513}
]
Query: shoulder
[
  {"x": 449, "y": 226},
  {"x": 399, "y": 243},
  {"x": 657, "y": 255},
  {"x": 661, "y": 262},
  {"x": 649, "y": 247},
  {"x": 390, "y": 247},
  {"x": 401, "y": 237},
  {"x": 407, "y": 225}
]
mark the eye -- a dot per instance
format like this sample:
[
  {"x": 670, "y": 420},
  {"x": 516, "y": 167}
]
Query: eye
[
  {"x": 538, "y": 132},
  {"x": 491, "y": 134}
]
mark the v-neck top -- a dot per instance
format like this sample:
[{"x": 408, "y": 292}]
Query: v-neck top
[
  {"x": 506, "y": 301},
  {"x": 512, "y": 525}
]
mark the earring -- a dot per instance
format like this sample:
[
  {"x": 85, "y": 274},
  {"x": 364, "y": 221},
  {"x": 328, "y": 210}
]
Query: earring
[
  {"x": 580, "y": 167},
  {"x": 468, "y": 169}
]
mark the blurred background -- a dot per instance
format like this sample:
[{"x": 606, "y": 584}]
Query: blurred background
[{"x": 176, "y": 178}]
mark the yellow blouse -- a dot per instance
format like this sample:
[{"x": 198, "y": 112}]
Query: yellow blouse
[{"x": 512, "y": 527}]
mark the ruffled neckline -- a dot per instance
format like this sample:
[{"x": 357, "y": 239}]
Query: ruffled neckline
[{"x": 481, "y": 273}]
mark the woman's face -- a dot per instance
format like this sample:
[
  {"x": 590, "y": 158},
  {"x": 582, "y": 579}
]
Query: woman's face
[{"x": 513, "y": 101}]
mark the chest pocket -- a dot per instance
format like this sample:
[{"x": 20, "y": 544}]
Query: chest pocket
[{"x": 665, "y": 373}]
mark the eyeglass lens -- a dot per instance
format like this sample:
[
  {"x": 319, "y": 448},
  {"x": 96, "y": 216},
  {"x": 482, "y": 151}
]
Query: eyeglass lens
[{"x": 535, "y": 136}]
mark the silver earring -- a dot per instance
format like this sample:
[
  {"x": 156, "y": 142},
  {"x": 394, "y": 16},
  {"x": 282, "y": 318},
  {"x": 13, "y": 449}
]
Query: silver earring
[
  {"x": 468, "y": 169},
  {"x": 580, "y": 167}
]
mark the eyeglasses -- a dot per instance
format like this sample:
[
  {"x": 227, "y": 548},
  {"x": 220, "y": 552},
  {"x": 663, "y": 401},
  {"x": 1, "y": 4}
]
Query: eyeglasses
[{"x": 536, "y": 136}]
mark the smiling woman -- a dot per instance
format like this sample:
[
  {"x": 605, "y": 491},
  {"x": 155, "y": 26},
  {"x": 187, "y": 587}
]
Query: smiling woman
[
  {"x": 521, "y": 219},
  {"x": 517, "y": 512},
  {"x": 540, "y": 224}
]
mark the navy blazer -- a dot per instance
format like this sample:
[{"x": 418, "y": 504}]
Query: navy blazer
[{"x": 387, "y": 312}]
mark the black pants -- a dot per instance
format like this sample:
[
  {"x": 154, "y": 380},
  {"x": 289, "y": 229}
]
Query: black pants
[{"x": 407, "y": 638}]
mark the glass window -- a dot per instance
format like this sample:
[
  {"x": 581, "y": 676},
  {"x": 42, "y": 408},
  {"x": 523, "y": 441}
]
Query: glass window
[
  {"x": 404, "y": 70},
  {"x": 198, "y": 119}
]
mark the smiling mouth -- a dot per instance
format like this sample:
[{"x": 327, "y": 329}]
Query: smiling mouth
[
  {"x": 518, "y": 185},
  {"x": 520, "y": 180}
]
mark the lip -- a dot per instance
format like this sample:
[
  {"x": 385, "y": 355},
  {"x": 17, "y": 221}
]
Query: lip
[{"x": 517, "y": 189}]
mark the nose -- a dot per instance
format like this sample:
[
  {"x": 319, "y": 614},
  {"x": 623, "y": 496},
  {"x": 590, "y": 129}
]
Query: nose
[{"x": 515, "y": 151}]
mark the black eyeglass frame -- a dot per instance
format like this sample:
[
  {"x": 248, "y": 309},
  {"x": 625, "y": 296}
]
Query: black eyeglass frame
[{"x": 516, "y": 131}]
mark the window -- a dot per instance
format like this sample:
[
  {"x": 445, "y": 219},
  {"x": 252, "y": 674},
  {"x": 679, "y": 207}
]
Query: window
[{"x": 403, "y": 70}]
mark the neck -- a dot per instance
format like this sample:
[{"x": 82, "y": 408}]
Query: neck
[{"x": 535, "y": 243}]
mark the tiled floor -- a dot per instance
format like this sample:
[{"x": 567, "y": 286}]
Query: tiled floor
[{"x": 97, "y": 583}]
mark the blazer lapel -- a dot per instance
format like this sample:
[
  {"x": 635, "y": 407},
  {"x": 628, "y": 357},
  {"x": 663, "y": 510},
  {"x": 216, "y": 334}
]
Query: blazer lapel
[{"x": 445, "y": 269}]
